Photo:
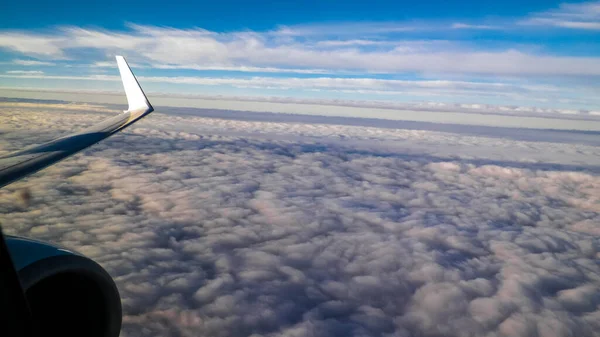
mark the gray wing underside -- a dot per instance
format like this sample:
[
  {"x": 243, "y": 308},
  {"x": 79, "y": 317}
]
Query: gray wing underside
[{"x": 20, "y": 164}]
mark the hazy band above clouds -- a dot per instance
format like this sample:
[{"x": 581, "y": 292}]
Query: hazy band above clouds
[{"x": 460, "y": 114}]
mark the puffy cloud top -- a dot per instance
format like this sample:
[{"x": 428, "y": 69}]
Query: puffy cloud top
[{"x": 237, "y": 227}]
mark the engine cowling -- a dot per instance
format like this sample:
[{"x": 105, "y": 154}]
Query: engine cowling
[{"x": 68, "y": 293}]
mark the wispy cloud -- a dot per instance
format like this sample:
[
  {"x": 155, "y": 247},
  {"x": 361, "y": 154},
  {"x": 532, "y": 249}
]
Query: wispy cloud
[
  {"x": 308, "y": 83},
  {"x": 25, "y": 72},
  {"x": 33, "y": 44},
  {"x": 345, "y": 29},
  {"x": 574, "y": 16},
  {"x": 111, "y": 64},
  {"x": 248, "y": 69},
  {"x": 357, "y": 42},
  {"x": 516, "y": 92},
  {"x": 32, "y": 63},
  {"x": 255, "y": 51},
  {"x": 460, "y": 25}
]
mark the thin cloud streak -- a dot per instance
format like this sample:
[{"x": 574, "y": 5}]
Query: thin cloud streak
[
  {"x": 32, "y": 63},
  {"x": 25, "y": 72},
  {"x": 364, "y": 85},
  {"x": 460, "y": 25},
  {"x": 585, "y": 16},
  {"x": 344, "y": 29}
]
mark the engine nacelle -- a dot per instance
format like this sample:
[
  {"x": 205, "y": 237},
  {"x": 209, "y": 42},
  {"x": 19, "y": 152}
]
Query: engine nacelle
[{"x": 68, "y": 293}]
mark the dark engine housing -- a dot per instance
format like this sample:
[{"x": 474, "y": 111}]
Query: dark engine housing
[{"x": 71, "y": 295}]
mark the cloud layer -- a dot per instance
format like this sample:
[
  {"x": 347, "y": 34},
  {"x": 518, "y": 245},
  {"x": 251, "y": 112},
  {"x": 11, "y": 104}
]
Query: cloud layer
[
  {"x": 281, "y": 49},
  {"x": 235, "y": 228}
]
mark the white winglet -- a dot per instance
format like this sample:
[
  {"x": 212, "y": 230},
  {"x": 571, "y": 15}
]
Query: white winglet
[{"x": 135, "y": 96}]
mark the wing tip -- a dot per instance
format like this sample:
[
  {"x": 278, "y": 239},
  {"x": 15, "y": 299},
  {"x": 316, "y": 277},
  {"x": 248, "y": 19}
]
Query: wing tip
[{"x": 135, "y": 95}]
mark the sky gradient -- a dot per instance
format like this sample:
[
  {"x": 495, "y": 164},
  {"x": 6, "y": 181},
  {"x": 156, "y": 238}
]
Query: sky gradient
[{"x": 544, "y": 54}]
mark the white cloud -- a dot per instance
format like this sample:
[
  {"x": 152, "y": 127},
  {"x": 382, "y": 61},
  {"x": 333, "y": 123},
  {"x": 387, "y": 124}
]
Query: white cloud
[
  {"x": 25, "y": 72},
  {"x": 32, "y": 63},
  {"x": 59, "y": 77},
  {"x": 460, "y": 25},
  {"x": 575, "y": 16},
  {"x": 242, "y": 69},
  {"x": 313, "y": 83},
  {"x": 347, "y": 43},
  {"x": 252, "y": 50},
  {"x": 344, "y": 29},
  {"x": 111, "y": 64},
  {"x": 33, "y": 44},
  {"x": 237, "y": 227}
]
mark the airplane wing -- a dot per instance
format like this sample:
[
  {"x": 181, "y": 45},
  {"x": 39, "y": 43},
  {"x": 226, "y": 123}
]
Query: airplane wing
[{"x": 17, "y": 165}]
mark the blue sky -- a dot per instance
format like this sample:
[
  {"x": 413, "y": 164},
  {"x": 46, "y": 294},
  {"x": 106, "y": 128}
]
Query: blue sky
[
  {"x": 538, "y": 53},
  {"x": 235, "y": 15}
]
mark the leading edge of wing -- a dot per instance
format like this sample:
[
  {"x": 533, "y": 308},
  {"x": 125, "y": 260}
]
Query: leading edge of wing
[{"x": 17, "y": 165}]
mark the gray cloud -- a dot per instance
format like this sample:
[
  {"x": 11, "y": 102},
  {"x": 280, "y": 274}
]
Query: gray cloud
[{"x": 238, "y": 227}]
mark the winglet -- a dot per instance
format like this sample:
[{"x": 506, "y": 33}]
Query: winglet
[{"x": 135, "y": 95}]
